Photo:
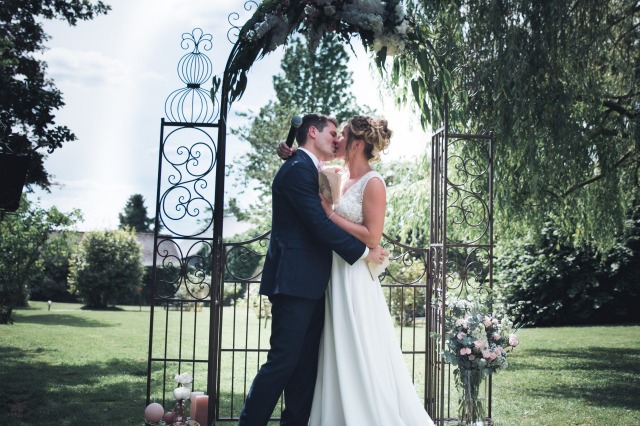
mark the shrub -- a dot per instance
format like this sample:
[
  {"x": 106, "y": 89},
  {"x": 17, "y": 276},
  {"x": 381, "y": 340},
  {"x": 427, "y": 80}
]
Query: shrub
[
  {"x": 546, "y": 281},
  {"x": 106, "y": 267}
]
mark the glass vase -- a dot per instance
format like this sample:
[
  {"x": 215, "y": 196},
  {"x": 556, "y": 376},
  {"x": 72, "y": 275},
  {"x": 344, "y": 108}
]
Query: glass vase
[
  {"x": 471, "y": 411},
  {"x": 180, "y": 413}
]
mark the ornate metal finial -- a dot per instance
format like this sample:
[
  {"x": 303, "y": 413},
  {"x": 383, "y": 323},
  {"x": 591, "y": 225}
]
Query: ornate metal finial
[{"x": 193, "y": 104}]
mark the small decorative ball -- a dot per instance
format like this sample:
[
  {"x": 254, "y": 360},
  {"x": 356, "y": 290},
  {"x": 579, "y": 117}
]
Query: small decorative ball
[
  {"x": 154, "y": 412},
  {"x": 168, "y": 418}
]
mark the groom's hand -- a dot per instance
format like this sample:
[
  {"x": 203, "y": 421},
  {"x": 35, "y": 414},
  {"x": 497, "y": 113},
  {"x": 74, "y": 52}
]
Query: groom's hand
[
  {"x": 284, "y": 151},
  {"x": 377, "y": 255}
]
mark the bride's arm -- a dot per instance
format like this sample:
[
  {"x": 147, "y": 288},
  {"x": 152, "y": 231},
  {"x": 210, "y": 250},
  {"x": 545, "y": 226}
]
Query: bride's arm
[{"x": 374, "y": 205}]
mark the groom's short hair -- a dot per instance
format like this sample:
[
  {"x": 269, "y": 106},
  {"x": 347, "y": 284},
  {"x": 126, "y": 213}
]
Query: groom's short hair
[{"x": 319, "y": 121}]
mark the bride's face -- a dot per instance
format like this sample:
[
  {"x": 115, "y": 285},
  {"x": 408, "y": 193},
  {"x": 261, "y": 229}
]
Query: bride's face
[{"x": 341, "y": 143}]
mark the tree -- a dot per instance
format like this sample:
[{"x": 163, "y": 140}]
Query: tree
[
  {"x": 134, "y": 215},
  {"x": 24, "y": 237},
  {"x": 557, "y": 83},
  {"x": 28, "y": 99},
  {"x": 312, "y": 81},
  {"x": 408, "y": 200},
  {"x": 545, "y": 281},
  {"x": 106, "y": 267},
  {"x": 51, "y": 282}
]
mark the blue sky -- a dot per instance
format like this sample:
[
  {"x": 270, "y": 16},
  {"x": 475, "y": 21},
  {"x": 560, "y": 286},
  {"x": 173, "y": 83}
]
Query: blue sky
[{"x": 115, "y": 73}]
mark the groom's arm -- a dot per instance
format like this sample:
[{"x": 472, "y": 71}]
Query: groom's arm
[{"x": 299, "y": 187}]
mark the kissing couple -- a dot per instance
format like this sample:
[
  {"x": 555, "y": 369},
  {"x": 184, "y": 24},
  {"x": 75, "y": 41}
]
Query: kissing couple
[{"x": 334, "y": 351}]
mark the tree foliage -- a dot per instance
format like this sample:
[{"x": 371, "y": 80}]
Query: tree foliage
[
  {"x": 312, "y": 81},
  {"x": 545, "y": 281},
  {"x": 24, "y": 239},
  {"x": 51, "y": 282},
  {"x": 134, "y": 215},
  {"x": 106, "y": 267},
  {"x": 28, "y": 99},
  {"x": 408, "y": 200},
  {"x": 557, "y": 83}
]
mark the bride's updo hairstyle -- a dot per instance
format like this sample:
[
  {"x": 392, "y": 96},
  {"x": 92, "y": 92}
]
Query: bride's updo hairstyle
[{"x": 373, "y": 131}]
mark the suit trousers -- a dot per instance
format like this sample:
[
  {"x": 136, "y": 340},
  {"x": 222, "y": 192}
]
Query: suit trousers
[{"x": 292, "y": 363}]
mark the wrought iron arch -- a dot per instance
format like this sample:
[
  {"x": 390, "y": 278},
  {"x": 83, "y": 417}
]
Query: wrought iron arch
[{"x": 196, "y": 272}]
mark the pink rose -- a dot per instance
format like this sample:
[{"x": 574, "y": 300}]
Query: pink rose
[
  {"x": 492, "y": 356},
  {"x": 486, "y": 321},
  {"x": 461, "y": 335},
  {"x": 486, "y": 353},
  {"x": 494, "y": 321},
  {"x": 479, "y": 343},
  {"x": 472, "y": 357},
  {"x": 496, "y": 336},
  {"x": 513, "y": 340},
  {"x": 465, "y": 351}
]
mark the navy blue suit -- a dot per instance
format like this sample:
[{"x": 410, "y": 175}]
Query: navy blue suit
[{"x": 295, "y": 277}]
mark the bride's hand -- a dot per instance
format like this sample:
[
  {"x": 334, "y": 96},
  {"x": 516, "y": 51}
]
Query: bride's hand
[
  {"x": 377, "y": 254},
  {"x": 326, "y": 205}
]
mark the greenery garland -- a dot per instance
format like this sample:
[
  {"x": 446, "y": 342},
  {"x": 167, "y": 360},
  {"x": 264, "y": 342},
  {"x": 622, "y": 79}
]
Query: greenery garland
[{"x": 383, "y": 27}]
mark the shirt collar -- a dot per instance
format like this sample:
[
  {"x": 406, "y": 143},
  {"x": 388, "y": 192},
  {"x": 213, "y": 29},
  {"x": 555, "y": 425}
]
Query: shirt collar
[{"x": 315, "y": 160}]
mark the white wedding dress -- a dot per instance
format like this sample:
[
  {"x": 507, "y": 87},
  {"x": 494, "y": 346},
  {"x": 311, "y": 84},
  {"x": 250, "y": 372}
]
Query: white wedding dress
[{"x": 362, "y": 376}]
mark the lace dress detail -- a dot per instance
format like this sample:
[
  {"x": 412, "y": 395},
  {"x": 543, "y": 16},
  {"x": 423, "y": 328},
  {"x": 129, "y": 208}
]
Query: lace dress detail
[{"x": 350, "y": 205}]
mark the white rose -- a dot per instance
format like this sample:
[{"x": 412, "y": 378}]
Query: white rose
[
  {"x": 402, "y": 28},
  {"x": 181, "y": 393},
  {"x": 311, "y": 10},
  {"x": 185, "y": 378}
]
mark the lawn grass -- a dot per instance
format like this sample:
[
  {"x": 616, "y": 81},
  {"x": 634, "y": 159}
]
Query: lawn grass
[{"x": 75, "y": 367}]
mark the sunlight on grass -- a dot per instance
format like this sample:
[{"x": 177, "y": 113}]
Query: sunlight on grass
[{"x": 70, "y": 366}]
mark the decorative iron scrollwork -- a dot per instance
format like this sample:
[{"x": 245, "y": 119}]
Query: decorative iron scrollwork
[
  {"x": 190, "y": 174},
  {"x": 193, "y": 104},
  {"x": 183, "y": 274}
]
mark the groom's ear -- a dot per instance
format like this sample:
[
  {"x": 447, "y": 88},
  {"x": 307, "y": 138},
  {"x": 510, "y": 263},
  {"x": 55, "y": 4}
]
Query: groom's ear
[{"x": 312, "y": 132}]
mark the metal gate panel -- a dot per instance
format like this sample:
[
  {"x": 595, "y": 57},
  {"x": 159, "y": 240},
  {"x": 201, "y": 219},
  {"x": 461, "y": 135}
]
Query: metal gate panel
[
  {"x": 205, "y": 289},
  {"x": 461, "y": 240}
]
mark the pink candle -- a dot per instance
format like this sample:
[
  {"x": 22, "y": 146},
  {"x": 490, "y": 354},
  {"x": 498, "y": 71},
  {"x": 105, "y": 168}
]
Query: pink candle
[
  {"x": 202, "y": 410},
  {"x": 194, "y": 395}
]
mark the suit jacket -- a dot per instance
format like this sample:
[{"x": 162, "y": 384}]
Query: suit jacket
[{"x": 298, "y": 261}]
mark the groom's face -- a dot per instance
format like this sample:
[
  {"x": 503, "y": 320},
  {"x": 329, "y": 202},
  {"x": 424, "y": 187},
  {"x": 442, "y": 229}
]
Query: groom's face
[{"x": 325, "y": 142}]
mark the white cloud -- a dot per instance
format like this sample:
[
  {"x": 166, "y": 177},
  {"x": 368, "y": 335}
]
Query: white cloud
[{"x": 86, "y": 68}]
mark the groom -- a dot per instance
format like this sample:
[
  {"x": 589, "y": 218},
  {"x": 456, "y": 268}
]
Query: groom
[{"x": 295, "y": 276}]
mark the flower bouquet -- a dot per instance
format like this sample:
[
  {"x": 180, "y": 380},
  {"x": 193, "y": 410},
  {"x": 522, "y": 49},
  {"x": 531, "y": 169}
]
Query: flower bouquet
[{"x": 476, "y": 344}]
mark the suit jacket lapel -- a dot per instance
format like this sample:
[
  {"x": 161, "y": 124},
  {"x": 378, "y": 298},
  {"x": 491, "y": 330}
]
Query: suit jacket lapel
[{"x": 307, "y": 159}]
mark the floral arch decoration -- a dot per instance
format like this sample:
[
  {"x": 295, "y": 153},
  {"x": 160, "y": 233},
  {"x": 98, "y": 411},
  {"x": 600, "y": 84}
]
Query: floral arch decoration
[{"x": 386, "y": 28}]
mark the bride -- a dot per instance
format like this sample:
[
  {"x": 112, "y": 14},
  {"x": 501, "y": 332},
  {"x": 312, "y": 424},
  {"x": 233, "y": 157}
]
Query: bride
[{"x": 362, "y": 376}]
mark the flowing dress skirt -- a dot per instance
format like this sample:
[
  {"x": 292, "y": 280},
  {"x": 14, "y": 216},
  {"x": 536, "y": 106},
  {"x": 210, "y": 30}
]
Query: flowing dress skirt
[{"x": 362, "y": 375}]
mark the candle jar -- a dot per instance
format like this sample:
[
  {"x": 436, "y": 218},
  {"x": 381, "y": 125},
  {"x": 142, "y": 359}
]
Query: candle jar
[{"x": 180, "y": 413}]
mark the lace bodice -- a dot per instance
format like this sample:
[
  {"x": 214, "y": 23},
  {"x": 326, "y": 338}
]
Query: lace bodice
[{"x": 350, "y": 205}]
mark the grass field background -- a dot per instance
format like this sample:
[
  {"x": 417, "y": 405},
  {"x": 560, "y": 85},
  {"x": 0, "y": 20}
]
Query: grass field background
[{"x": 70, "y": 366}]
